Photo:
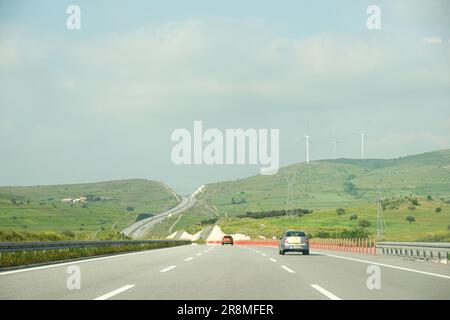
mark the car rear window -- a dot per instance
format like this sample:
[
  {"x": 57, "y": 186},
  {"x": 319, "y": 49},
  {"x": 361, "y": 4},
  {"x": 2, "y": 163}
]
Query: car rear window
[
  {"x": 295, "y": 234},
  {"x": 227, "y": 237}
]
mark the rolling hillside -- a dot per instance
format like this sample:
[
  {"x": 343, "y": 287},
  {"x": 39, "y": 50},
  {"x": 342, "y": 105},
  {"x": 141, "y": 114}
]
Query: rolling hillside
[
  {"x": 119, "y": 203},
  {"x": 334, "y": 183}
]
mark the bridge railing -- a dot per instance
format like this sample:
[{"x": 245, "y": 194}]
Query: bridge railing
[{"x": 54, "y": 245}]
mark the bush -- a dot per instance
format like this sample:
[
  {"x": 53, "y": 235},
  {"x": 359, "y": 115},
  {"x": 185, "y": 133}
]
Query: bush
[
  {"x": 364, "y": 224},
  {"x": 274, "y": 213},
  {"x": 130, "y": 208},
  {"x": 68, "y": 233},
  {"x": 437, "y": 210},
  {"x": 353, "y": 217},
  {"x": 340, "y": 211},
  {"x": 410, "y": 219},
  {"x": 415, "y": 202},
  {"x": 345, "y": 234},
  {"x": 411, "y": 208},
  {"x": 429, "y": 197}
]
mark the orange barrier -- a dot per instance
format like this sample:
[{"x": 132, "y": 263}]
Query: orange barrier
[{"x": 355, "y": 245}]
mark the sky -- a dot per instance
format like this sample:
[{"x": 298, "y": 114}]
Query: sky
[{"x": 100, "y": 103}]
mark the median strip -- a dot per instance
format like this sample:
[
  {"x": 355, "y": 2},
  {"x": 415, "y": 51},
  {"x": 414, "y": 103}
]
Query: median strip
[
  {"x": 168, "y": 268},
  {"x": 325, "y": 292},
  {"x": 115, "y": 292}
]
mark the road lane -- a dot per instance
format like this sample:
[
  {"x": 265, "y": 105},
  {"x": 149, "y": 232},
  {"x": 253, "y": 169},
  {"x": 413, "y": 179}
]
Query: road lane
[
  {"x": 231, "y": 272},
  {"x": 348, "y": 278},
  {"x": 97, "y": 276},
  {"x": 226, "y": 272}
]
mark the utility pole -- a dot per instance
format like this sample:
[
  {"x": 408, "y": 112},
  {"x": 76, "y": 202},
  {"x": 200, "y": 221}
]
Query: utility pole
[{"x": 379, "y": 218}]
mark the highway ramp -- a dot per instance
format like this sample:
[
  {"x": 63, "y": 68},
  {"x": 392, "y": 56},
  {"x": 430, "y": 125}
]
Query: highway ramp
[{"x": 230, "y": 272}]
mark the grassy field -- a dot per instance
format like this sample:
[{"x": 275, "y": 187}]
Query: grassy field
[
  {"x": 429, "y": 225},
  {"x": 39, "y": 208}
]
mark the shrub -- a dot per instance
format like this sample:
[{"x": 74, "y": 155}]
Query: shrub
[
  {"x": 129, "y": 208},
  {"x": 437, "y": 210},
  {"x": 415, "y": 202},
  {"x": 353, "y": 217},
  {"x": 411, "y": 208},
  {"x": 364, "y": 224},
  {"x": 429, "y": 197},
  {"x": 340, "y": 211},
  {"x": 68, "y": 233},
  {"x": 410, "y": 219}
]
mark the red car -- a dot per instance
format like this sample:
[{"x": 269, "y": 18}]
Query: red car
[{"x": 227, "y": 240}]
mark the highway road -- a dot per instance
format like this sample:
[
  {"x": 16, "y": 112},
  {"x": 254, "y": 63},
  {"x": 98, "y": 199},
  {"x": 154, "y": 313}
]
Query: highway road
[
  {"x": 230, "y": 272},
  {"x": 139, "y": 229}
]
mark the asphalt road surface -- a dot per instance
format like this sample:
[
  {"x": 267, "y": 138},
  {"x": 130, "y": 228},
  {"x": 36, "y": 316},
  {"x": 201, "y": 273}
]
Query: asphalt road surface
[
  {"x": 139, "y": 229},
  {"x": 230, "y": 272}
]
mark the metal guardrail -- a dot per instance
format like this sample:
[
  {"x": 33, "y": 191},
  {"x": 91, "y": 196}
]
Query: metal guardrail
[
  {"x": 428, "y": 251},
  {"x": 54, "y": 245}
]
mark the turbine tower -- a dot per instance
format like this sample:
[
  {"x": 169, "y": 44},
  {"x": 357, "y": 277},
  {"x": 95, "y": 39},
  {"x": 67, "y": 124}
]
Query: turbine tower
[
  {"x": 362, "y": 145},
  {"x": 307, "y": 144},
  {"x": 334, "y": 149}
]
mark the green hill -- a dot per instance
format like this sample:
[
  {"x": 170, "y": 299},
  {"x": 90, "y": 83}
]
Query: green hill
[
  {"x": 334, "y": 183},
  {"x": 417, "y": 186},
  {"x": 113, "y": 205}
]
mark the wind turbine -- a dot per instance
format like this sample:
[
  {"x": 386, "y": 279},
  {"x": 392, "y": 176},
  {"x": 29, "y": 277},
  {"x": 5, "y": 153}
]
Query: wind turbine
[
  {"x": 362, "y": 145},
  {"x": 335, "y": 143},
  {"x": 307, "y": 144}
]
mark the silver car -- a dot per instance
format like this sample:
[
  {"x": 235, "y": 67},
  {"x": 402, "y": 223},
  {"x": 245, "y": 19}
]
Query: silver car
[{"x": 294, "y": 241}]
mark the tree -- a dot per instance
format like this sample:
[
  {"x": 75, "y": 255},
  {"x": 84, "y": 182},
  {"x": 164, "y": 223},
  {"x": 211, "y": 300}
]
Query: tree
[
  {"x": 364, "y": 224},
  {"x": 415, "y": 202},
  {"x": 353, "y": 217},
  {"x": 437, "y": 210},
  {"x": 410, "y": 219}
]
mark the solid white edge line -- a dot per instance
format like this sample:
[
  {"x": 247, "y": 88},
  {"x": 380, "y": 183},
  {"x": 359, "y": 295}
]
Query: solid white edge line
[
  {"x": 389, "y": 266},
  {"x": 325, "y": 292},
  {"x": 84, "y": 261},
  {"x": 168, "y": 268},
  {"x": 287, "y": 269},
  {"x": 115, "y": 292}
]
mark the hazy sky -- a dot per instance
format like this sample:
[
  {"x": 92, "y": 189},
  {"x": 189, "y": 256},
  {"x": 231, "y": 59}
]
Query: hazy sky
[{"x": 101, "y": 102}]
